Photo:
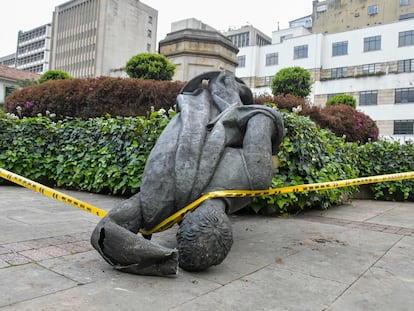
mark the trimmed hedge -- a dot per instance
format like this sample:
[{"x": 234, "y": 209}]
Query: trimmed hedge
[
  {"x": 98, "y": 97},
  {"x": 102, "y": 155},
  {"x": 94, "y": 97},
  {"x": 107, "y": 155},
  {"x": 388, "y": 157},
  {"x": 310, "y": 154}
]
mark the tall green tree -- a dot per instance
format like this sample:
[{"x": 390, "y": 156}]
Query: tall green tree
[
  {"x": 292, "y": 80},
  {"x": 150, "y": 66}
]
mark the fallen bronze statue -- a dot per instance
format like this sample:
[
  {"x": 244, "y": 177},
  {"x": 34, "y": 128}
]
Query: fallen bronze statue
[{"x": 218, "y": 140}]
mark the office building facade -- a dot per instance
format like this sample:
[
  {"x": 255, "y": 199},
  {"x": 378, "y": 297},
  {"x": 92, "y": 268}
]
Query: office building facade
[
  {"x": 343, "y": 15},
  {"x": 373, "y": 64},
  {"x": 97, "y": 37},
  {"x": 33, "y": 49},
  {"x": 8, "y": 60}
]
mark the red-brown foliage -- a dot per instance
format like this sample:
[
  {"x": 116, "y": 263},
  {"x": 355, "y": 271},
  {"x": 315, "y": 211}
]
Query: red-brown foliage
[
  {"x": 343, "y": 120},
  {"x": 287, "y": 101},
  {"x": 94, "y": 97}
]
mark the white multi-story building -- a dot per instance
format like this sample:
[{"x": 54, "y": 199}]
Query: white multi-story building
[
  {"x": 33, "y": 49},
  {"x": 8, "y": 60},
  {"x": 97, "y": 37},
  {"x": 373, "y": 64}
]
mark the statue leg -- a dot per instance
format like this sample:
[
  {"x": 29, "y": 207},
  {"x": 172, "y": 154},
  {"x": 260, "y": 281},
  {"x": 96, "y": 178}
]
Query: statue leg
[
  {"x": 257, "y": 150},
  {"x": 116, "y": 239}
]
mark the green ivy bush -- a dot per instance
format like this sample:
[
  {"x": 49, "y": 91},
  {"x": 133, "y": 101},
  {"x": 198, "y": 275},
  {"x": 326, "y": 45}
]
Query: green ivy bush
[
  {"x": 107, "y": 155},
  {"x": 101, "y": 155},
  {"x": 94, "y": 97},
  {"x": 308, "y": 155},
  {"x": 388, "y": 157},
  {"x": 28, "y": 147}
]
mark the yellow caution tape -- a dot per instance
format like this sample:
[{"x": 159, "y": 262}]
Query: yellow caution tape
[
  {"x": 30, "y": 184},
  {"x": 178, "y": 216}
]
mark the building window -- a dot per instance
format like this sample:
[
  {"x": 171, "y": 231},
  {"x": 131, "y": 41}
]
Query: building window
[
  {"x": 272, "y": 59},
  {"x": 371, "y": 68},
  {"x": 372, "y": 43},
  {"x": 339, "y": 72},
  {"x": 260, "y": 41},
  {"x": 148, "y": 47},
  {"x": 8, "y": 90},
  {"x": 405, "y": 2},
  {"x": 403, "y": 127},
  {"x": 25, "y": 36},
  {"x": 373, "y": 9},
  {"x": 406, "y": 38},
  {"x": 240, "y": 40},
  {"x": 149, "y": 33},
  {"x": 340, "y": 48},
  {"x": 241, "y": 61},
  {"x": 368, "y": 98},
  {"x": 406, "y": 65},
  {"x": 149, "y": 19},
  {"x": 404, "y": 95},
  {"x": 31, "y": 58},
  {"x": 300, "y": 51}
]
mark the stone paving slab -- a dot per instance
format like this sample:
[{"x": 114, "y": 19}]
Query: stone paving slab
[
  {"x": 123, "y": 292},
  {"x": 357, "y": 256},
  {"x": 269, "y": 288},
  {"x": 28, "y": 281},
  {"x": 388, "y": 285}
]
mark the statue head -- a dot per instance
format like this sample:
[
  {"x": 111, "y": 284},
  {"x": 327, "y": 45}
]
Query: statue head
[{"x": 204, "y": 238}]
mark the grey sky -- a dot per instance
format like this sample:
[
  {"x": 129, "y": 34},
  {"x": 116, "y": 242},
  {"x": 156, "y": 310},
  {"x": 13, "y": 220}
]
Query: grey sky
[{"x": 24, "y": 15}]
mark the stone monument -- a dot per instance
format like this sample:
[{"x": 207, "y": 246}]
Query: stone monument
[{"x": 218, "y": 140}]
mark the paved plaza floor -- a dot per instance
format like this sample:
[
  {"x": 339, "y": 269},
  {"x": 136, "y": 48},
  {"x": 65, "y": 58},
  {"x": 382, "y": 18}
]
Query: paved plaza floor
[{"x": 357, "y": 256}]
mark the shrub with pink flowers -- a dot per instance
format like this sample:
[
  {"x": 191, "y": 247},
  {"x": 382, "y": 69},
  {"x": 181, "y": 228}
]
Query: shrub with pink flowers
[
  {"x": 94, "y": 97},
  {"x": 343, "y": 120}
]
